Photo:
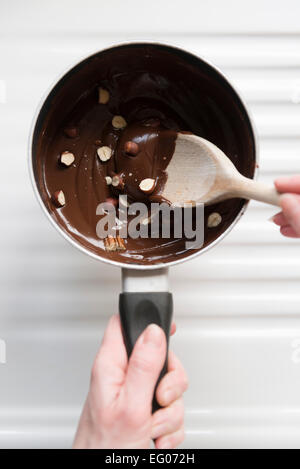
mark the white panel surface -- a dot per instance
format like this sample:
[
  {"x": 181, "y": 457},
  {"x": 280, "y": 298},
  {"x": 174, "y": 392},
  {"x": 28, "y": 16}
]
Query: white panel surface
[{"x": 237, "y": 307}]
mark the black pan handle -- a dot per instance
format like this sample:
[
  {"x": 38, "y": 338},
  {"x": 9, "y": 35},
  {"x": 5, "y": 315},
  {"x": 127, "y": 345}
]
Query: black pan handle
[{"x": 137, "y": 311}]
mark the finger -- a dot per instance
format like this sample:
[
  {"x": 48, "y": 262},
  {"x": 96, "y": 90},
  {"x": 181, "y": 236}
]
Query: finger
[
  {"x": 288, "y": 184},
  {"x": 173, "y": 328},
  {"x": 173, "y": 384},
  {"x": 290, "y": 205},
  {"x": 288, "y": 231},
  {"x": 144, "y": 366},
  {"x": 279, "y": 219},
  {"x": 170, "y": 441},
  {"x": 110, "y": 364},
  {"x": 168, "y": 420}
]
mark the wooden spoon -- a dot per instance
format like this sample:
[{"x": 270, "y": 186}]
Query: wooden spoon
[{"x": 200, "y": 172}]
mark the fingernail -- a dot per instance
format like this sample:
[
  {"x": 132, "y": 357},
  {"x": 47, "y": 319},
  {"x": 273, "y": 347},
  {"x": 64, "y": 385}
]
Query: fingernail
[
  {"x": 153, "y": 335},
  {"x": 169, "y": 396}
]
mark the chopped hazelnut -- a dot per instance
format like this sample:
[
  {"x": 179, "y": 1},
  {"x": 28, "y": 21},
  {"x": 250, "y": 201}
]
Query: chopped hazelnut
[
  {"x": 59, "y": 198},
  {"x": 103, "y": 96},
  {"x": 118, "y": 182},
  {"x": 110, "y": 243},
  {"x": 118, "y": 122},
  {"x": 147, "y": 185},
  {"x": 214, "y": 220},
  {"x": 120, "y": 244},
  {"x": 131, "y": 148},
  {"x": 104, "y": 153},
  {"x": 67, "y": 158}
]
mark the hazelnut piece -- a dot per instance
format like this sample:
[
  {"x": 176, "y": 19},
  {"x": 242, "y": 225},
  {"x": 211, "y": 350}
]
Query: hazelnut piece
[
  {"x": 59, "y": 198},
  {"x": 114, "y": 244},
  {"x": 110, "y": 243},
  {"x": 103, "y": 96},
  {"x": 118, "y": 182},
  {"x": 120, "y": 244},
  {"x": 147, "y": 185},
  {"x": 118, "y": 122},
  {"x": 67, "y": 158},
  {"x": 214, "y": 220},
  {"x": 104, "y": 153},
  {"x": 131, "y": 148}
]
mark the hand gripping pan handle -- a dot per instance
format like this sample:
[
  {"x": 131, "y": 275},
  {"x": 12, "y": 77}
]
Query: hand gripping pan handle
[{"x": 138, "y": 310}]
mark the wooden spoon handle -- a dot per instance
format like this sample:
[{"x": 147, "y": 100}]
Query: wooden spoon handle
[{"x": 249, "y": 189}]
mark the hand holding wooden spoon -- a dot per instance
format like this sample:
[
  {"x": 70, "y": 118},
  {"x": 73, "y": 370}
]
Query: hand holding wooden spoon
[{"x": 289, "y": 218}]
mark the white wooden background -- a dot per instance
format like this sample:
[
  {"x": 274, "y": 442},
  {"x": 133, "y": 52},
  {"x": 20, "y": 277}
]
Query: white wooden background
[{"x": 237, "y": 307}]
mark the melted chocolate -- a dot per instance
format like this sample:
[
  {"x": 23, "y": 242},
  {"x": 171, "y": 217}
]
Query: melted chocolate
[
  {"x": 155, "y": 145},
  {"x": 158, "y": 90}
]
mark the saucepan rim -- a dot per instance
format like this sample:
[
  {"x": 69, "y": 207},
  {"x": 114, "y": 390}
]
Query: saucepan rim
[{"x": 172, "y": 47}]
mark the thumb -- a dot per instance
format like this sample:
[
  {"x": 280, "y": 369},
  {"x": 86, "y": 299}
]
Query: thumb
[{"x": 145, "y": 365}]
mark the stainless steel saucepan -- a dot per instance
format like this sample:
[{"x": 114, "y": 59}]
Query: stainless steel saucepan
[{"x": 145, "y": 296}]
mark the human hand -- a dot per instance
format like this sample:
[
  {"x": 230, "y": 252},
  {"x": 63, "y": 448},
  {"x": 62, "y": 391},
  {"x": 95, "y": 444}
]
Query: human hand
[
  {"x": 118, "y": 409},
  {"x": 289, "y": 218}
]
